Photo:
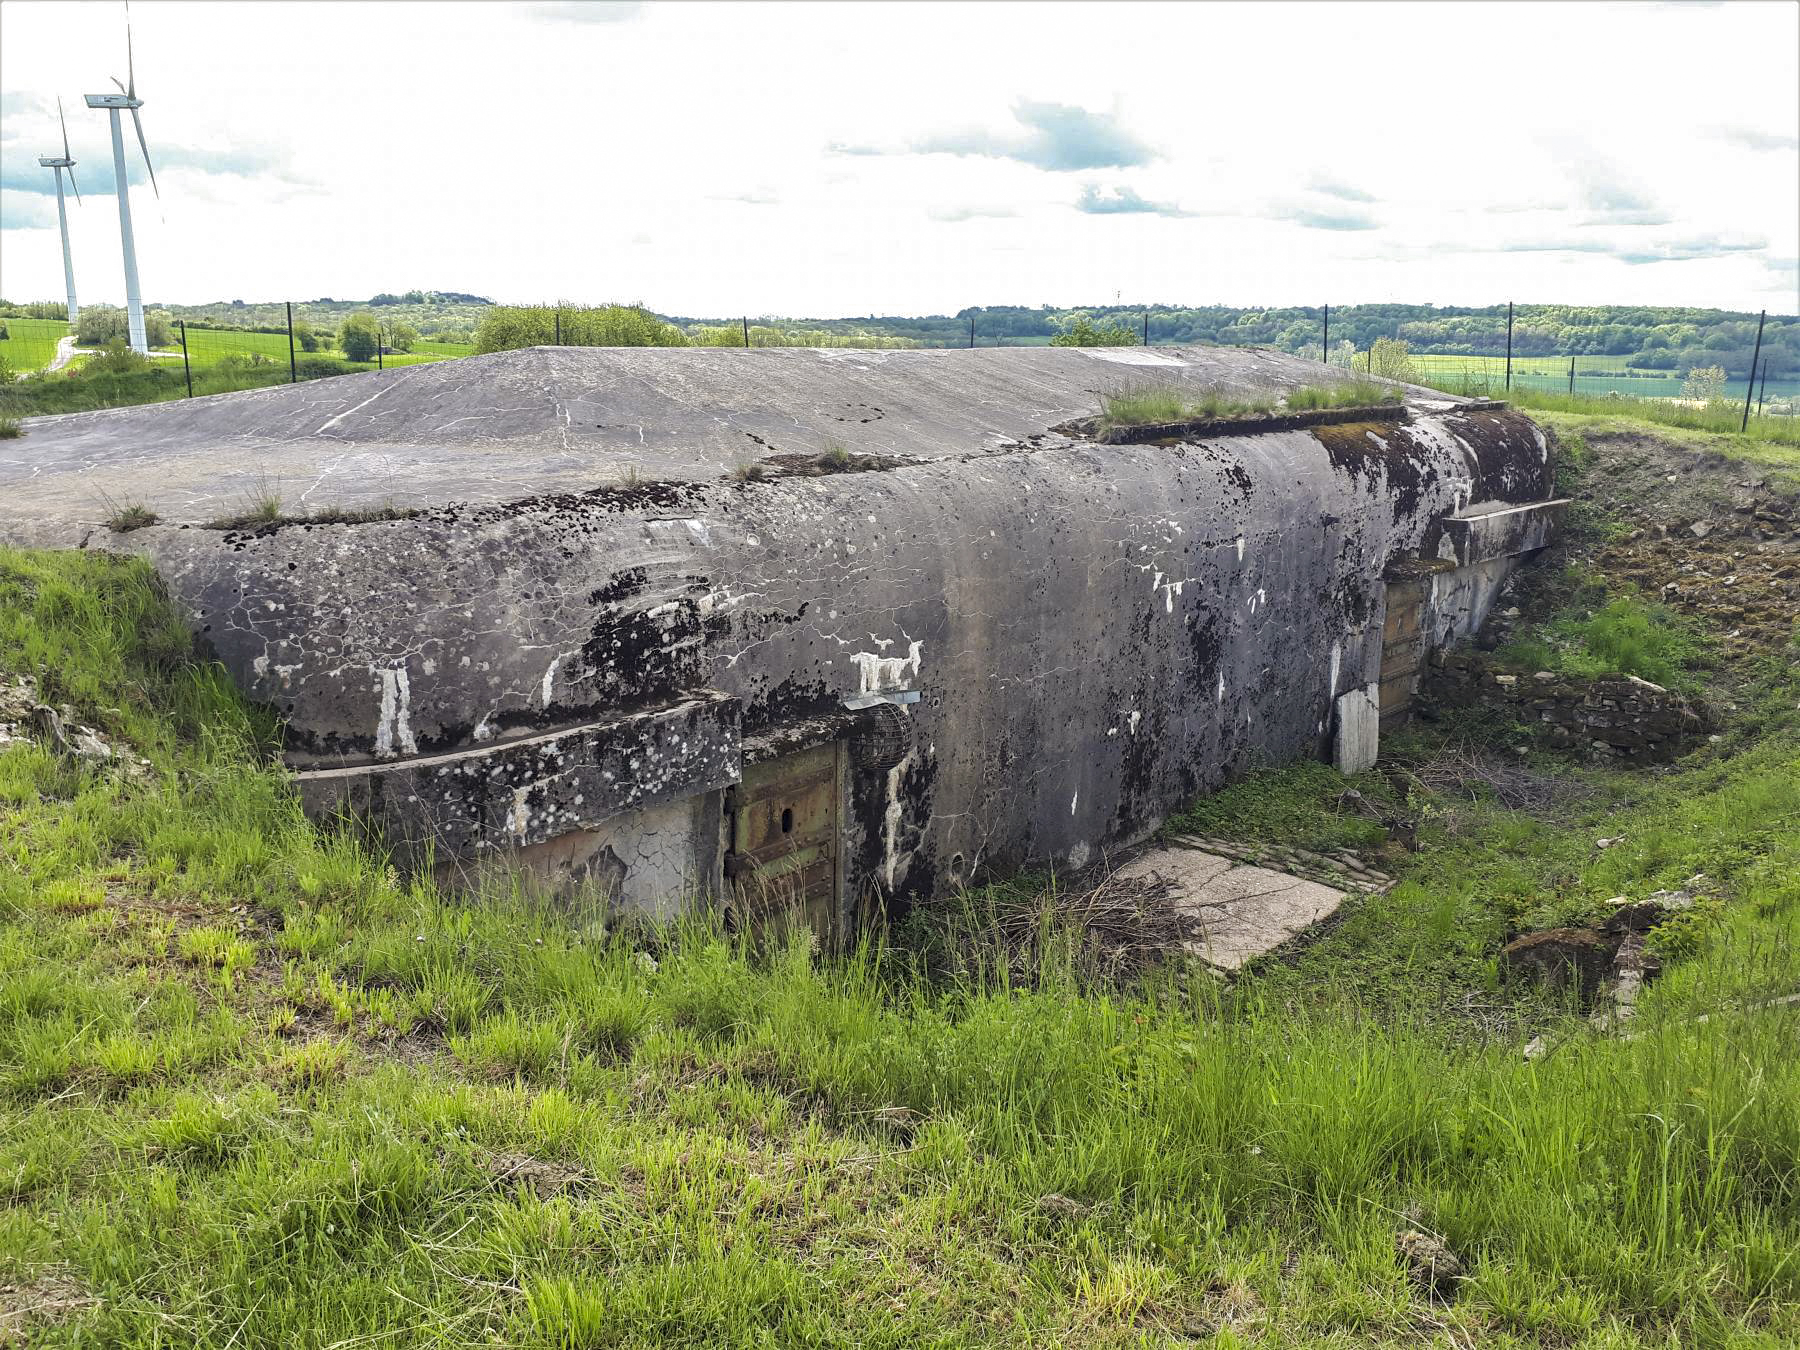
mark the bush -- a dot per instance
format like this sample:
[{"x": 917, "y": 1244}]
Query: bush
[
  {"x": 402, "y": 336},
  {"x": 1391, "y": 360},
  {"x": 305, "y": 337},
  {"x": 101, "y": 324},
  {"x": 1083, "y": 333},
  {"x": 115, "y": 358},
  {"x": 359, "y": 338}
]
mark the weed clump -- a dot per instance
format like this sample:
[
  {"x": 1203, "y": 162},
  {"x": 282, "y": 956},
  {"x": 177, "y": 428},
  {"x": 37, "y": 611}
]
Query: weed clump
[
  {"x": 10, "y": 429},
  {"x": 1355, "y": 394},
  {"x": 131, "y": 516},
  {"x": 1147, "y": 405}
]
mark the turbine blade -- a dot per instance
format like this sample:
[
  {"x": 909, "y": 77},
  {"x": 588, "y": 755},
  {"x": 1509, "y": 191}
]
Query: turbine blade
[
  {"x": 130, "y": 64},
  {"x": 144, "y": 145},
  {"x": 74, "y": 184},
  {"x": 65, "y": 127},
  {"x": 115, "y": 80}
]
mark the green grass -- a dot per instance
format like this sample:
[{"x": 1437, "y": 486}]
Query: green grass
[
  {"x": 1624, "y": 635},
  {"x": 209, "y": 346},
  {"x": 1149, "y": 404},
  {"x": 1353, "y": 394},
  {"x": 257, "y": 1090},
  {"x": 31, "y": 343}
]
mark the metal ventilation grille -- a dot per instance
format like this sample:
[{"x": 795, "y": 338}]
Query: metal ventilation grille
[{"x": 884, "y": 737}]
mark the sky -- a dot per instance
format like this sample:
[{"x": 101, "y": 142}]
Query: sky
[{"x": 835, "y": 159}]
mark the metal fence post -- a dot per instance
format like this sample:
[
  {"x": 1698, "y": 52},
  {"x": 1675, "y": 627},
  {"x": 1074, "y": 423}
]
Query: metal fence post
[
  {"x": 293, "y": 366},
  {"x": 1571, "y": 377},
  {"x": 746, "y": 330},
  {"x": 1757, "y": 356},
  {"x": 1146, "y": 328},
  {"x": 1509, "y": 317},
  {"x": 186, "y": 369},
  {"x": 971, "y": 330},
  {"x": 379, "y": 363},
  {"x": 1325, "y": 338},
  {"x": 559, "y": 325}
]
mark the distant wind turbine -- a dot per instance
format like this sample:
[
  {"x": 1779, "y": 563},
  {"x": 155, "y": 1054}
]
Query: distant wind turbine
[
  {"x": 127, "y": 98},
  {"x": 62, "y": 212}
]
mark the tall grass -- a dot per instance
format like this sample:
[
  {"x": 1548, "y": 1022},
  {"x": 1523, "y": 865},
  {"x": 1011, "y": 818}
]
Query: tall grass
[
  {"x": 258, "y": 1090},
  {"x": 1721, "y": 418}
]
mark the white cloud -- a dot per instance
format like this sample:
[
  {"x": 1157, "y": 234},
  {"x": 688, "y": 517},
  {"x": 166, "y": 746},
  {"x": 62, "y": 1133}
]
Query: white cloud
[{"x": 682, "y": 154}]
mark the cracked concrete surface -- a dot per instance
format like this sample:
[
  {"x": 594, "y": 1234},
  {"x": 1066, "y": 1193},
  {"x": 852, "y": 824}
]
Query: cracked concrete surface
[
  {"x": 1243, "y": 912},
  {"x": 553, "y": 419}
]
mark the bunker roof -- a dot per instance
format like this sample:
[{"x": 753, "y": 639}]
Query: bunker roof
[{"x": 516, "y": 424}]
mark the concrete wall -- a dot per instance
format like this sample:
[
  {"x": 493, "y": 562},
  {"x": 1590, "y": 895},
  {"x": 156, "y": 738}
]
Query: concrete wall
[{"x": 1084, "y": 637}]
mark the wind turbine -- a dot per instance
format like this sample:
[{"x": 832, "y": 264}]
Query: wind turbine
[
  {"x": 127, "y": 98},
  {"x": 62, "y": 213}
]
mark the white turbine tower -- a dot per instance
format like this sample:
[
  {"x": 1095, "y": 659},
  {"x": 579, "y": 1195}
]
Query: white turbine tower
[
  {"x": 62, "y": 212},
  {"x": 127, "y": 98}
]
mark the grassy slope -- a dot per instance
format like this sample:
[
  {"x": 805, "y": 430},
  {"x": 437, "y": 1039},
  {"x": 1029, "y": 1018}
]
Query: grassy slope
[
  {"x": 257, "y": 1091},
  {"x": 31, "y": 343}
]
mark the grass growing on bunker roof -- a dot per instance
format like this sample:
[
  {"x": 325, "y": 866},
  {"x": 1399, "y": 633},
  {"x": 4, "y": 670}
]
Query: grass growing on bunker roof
[
  {"x": 1146, "y": 405},
  {"x": 1353, "y": 394},
  {"x": 257, "y": 1090}
]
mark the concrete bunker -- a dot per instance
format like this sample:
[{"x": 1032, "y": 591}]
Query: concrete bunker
[{"x": 582, "y": 641}]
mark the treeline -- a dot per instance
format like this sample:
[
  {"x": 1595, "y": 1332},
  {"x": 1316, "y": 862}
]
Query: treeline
[
  {"x": 1643, "y": 337},
  {"x": 509, "y": 327}
]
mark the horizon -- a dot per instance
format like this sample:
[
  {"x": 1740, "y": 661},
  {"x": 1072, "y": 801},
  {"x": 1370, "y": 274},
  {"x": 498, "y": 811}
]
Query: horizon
[{"x": 994, "y": 161}]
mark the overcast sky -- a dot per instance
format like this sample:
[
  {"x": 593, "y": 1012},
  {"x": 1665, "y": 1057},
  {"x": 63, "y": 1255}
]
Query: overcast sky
[{"x": 843, "y": 159}]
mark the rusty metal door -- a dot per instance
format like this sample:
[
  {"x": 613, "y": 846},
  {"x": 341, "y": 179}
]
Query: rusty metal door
[
  {"x": 1402, "y": 649},
  {"x": 781, "y": 865}
]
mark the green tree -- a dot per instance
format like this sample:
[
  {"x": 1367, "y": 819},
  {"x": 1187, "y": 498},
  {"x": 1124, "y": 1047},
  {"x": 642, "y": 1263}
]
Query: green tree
[
  {"x": 1704, "y": 384},
  {"x": 305, "y": 337},
  {"x": 1083, "y": 333},
  {"x": 402, "y": 336},
  {"x": 359, "y": 337}
]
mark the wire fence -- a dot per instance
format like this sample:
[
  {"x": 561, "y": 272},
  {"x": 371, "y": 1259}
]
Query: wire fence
[{"x": 194, "y": 358}]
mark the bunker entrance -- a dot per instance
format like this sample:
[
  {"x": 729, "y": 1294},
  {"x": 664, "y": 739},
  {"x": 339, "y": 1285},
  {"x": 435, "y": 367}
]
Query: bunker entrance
[
  {"x": 781, "y": 858},
  {"x": 1402, "y": 648}
]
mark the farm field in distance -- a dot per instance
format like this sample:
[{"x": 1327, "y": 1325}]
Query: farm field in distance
[{"x": 1593, "y": 375}]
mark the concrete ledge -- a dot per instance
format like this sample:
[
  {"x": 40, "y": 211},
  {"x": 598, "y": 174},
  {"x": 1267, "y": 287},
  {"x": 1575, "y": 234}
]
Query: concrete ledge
[
  {"x": 1504, "y": 532},
  {"x": 524, "y": 793}
]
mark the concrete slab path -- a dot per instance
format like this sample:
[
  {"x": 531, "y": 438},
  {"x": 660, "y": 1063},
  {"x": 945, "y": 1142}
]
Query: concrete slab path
[{"x": 1242, "y": 911}]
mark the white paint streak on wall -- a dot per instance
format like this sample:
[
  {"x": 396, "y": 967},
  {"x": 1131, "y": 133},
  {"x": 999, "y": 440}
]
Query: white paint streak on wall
[
  {"x": 1075, "y": 801},
  {"x": 877, "y": 674},
  {"x": 550, "y": 678},
  {"x": 1337, "y": 661},
  {"x": 1134, "y": 719},
  {"x": 394, "y": 727},
  {"x": 1240, "y": 548}
]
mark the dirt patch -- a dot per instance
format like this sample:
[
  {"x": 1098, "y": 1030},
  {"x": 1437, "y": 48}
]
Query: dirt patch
[
  {"x": 51, "y": 1295},
  {"x": 543, "y": 1178},
  {"x": 1709, "y": 536}
]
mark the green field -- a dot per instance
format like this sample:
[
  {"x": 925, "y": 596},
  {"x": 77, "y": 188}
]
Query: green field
[
  {"x": 1594, "y": 375},
  {"x": 32, "y": 342},
  {"x": 209, "y": 346}
]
